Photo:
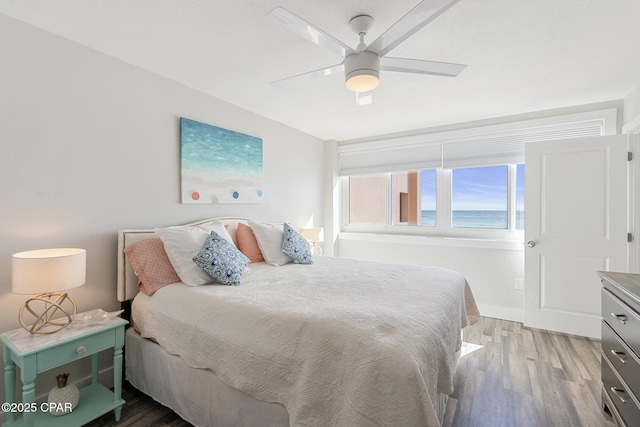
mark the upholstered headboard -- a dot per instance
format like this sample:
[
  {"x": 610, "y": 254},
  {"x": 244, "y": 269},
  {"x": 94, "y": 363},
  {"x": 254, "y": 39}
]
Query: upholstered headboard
[{"x": 127, "y": 281}]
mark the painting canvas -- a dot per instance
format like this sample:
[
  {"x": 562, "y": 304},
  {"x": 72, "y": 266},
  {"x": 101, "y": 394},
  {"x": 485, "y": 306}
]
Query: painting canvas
[{"x": 219, "y": 165}]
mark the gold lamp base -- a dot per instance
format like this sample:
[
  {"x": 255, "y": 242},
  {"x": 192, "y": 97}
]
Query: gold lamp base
[{"x": 53, "y": 304}]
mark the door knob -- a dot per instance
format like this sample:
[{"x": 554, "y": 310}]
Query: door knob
[{"x": 531, "y": 243}]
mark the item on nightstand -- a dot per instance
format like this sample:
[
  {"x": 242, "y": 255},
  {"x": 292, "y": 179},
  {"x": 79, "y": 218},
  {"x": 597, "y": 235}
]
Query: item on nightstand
[
  {"x": 97, "y": 316},
  {"x": 314, "y": 236},
  {"x": 47, "y": 272},
  {"x": 64, "y": 398}
]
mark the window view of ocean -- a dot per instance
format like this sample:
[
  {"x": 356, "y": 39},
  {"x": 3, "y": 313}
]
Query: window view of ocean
[{"x": 475, "y": 219}]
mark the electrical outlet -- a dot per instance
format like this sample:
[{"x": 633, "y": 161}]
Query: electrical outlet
[{"x": 518, "y": 283}]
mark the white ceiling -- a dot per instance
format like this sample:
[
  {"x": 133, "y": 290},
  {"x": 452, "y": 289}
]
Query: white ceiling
[{"x": 522, "y": 55}]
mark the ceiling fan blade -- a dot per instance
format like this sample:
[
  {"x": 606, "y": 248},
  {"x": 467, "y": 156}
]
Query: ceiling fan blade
[
  {"x": 425, "y": 12},
  {"x": 299, "y": 26},
  {"x": 309, "y": 75},
  {"x": 419, "y": 66}
]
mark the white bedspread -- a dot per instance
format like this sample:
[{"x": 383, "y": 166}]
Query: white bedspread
[{"x": 338, "y": 343}]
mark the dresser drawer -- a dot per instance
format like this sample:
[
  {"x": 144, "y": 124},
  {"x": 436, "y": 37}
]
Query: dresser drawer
[
  {"x": 622, "y": 319},
  {"x": 618, "y": 393},
  {"x": 622, "y": 358},
  {"x": 76, "y": 349}
]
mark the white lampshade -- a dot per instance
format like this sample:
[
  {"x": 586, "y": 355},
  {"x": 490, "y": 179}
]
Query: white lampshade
[
  {"x": 313, "y": 234},
  {"x": 48, "y": 270}
]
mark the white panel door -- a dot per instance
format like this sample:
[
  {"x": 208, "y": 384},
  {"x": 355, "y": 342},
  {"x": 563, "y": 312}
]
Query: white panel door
[{"x": 576, "y": 224}]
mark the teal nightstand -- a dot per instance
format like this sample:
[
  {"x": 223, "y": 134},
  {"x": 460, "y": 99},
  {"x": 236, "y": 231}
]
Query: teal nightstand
[{"x": 38, "y": 353}]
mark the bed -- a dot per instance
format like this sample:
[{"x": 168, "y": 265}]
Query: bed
[{"x": 305, "y": 342}]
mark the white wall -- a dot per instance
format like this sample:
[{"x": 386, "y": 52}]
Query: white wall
[
  {"x": 631, "y": 126},
  {"x": 632, "y": 107},
  {"x": 491, "y": 268},
  {"x": 90, "y": 145}
]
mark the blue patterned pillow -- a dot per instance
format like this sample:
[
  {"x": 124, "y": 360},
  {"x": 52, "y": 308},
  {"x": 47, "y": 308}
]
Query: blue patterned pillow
[
  {"x": 222, "y": 260},
  {"x": 296, "y": 246}
]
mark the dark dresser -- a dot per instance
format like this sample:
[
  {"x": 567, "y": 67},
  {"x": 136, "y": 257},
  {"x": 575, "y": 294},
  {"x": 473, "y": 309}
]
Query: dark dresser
[{"x": 621, "y": 346}]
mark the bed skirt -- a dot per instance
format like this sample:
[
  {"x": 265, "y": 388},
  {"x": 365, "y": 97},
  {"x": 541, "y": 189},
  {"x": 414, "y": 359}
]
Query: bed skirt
[{"x": 198, "y": 395}]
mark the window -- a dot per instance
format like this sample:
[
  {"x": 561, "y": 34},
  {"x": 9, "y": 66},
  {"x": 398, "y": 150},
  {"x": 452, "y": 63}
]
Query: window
[
  {"x": 473, "y": 198},
  {"x": 520, "y": 197},
  {"x": 403, "y": 196},
  {"x": 414, "y": 198},
  {"x": 428, "y": 198},
  {"x": 367, "y": 199},
  {"x": 458, "y": 183},
  {"x": 479, "y": 197}
]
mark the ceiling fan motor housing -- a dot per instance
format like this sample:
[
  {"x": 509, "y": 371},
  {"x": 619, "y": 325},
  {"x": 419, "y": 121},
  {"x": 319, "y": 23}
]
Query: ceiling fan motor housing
[{"x": 362, "y": 71}]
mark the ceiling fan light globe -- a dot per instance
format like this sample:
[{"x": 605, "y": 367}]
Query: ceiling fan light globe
[
  {"x": 363, "y": 82},
  {"x": 362, "y": 71}
]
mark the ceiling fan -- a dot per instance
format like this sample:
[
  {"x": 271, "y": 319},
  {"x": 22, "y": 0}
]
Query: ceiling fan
[{"x": 362, "y": 65}]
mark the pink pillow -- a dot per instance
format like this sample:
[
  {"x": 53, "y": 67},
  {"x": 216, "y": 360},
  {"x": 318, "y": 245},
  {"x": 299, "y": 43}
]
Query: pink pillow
[
  {"x": 248, "y": 244},
  {"x": 151, "y": 265}
]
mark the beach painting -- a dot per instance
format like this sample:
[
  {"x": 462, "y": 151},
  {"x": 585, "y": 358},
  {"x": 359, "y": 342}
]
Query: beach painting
[{"x": 219, "y": 165}]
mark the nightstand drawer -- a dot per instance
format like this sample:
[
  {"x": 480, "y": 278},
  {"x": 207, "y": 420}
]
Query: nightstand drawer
[
  {"x": 624, "y": 401},
  {"x": 622, "y": 358},
  {"x": 76, "y": 349},
  {"x": 622, "y": 319}
]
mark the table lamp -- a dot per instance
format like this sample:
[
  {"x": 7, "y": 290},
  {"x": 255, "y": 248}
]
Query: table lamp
[
  {"x": 48, "y": 273},
  {"x": 314, "y": 235}
]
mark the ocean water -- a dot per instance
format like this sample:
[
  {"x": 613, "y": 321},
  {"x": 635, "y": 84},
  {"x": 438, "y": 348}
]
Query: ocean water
[
  {"x": 475, "y": 219},
  {"x": 219, "y": 165},
  {"x": 214, "y": 151}
]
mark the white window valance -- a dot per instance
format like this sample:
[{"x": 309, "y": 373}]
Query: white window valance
[
  {"x": 508, "y": 147},
  {"x": 355, "y": 160},
  {"x": 450, "y": 150}
]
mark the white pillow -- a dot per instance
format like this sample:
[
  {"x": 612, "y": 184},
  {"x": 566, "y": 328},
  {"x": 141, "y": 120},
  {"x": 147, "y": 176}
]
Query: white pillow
[
  {"x": 269, "y": 237},
  {"x": 182, "y": 243}
]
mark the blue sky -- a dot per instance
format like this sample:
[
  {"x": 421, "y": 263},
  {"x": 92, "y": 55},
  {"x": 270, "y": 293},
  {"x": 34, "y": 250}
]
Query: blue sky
[
  {"x": 428, "y": 183},
  {"x": 520, "y": 188},
  {"x": 475, "y": 188}
]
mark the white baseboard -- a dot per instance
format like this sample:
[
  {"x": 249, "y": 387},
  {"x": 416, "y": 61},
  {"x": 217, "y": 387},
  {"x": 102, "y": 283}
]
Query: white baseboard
[{"x": 501, "y": 312}]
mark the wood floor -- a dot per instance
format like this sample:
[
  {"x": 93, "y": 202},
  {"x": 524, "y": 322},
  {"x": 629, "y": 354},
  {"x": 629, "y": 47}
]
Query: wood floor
[
  {"x": 518, "y": 377},
  {"x": 526, "y": 377}
]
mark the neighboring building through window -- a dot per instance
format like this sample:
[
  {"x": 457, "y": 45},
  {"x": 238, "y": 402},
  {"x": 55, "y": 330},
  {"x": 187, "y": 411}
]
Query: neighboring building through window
[
  {"x": 405, "y": 198},
  {"x": 367, "y": 199}
]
